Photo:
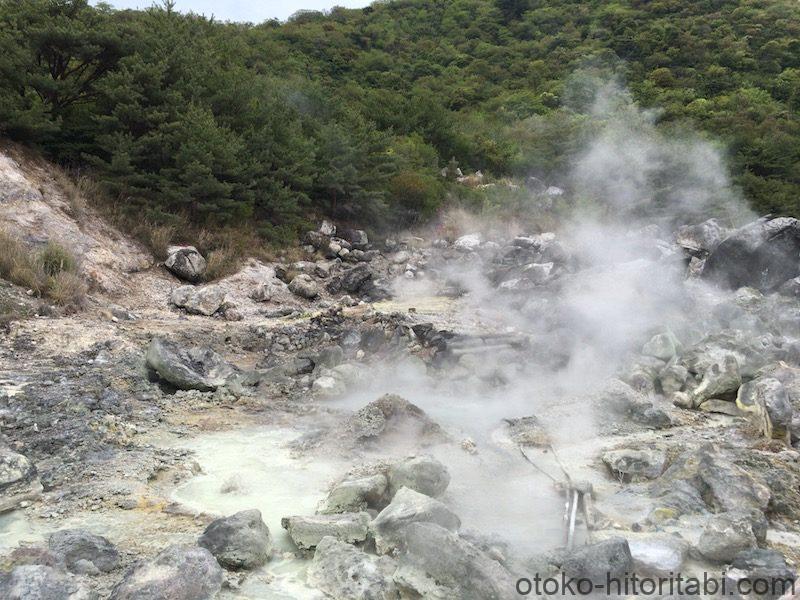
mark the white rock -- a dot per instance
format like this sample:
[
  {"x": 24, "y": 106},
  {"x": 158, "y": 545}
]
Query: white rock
[
  {"x": 408, "y": 507},
  {"x": 328, "y": 386},
  {"x": 308, "y": 531},
  {"x": 327, "y": 228},
  {"x": 400, "y": 257},
  {"x": 538, "y": 272},
  {"x": 468, "y": 243},
  {"x": 658, "y": 556},
  {"x": 199, "y": 300},
  {"x": 186, "y": 262}
]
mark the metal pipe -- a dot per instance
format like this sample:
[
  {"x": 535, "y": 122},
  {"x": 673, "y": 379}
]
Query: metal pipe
[
  {"x": 567, "y": 512},
  {"x": 572, "y": 515}
]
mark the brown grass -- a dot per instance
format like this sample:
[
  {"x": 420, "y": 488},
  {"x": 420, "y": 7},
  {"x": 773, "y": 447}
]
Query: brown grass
[
  {"x": 18, "y": 265},
  {"x": 79, "y": 190},
  {"x": 224, "y": 248},
  {"x": 68, "y": 290},
  {"x": 221, "y": 263},
  {"x": 51, "y": 272},
  {"x": 157, "y": 238}
]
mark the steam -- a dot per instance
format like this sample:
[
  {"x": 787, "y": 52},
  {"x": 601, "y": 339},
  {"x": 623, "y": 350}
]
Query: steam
[
  {"x": 631, "y": 187},
  {"x": 632, "y": 168}
]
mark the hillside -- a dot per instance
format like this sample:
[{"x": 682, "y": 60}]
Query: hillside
[
  {"x": 436, "y": 299},
  {"x": 354, "y": 113},
  {"x": 403, "y": 411}
]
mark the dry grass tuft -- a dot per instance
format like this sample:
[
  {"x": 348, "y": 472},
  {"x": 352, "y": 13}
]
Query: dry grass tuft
[
  {"x": 80, "y": 191},
  {"x": 225, "y": 249},
  {"x": 221, "y": 263},
  {"x": 18, "y": 265},
  {"x": 52, "y": 272},
  {"x": 157, "y": 238},
  {"x": 68, "y": 290}
]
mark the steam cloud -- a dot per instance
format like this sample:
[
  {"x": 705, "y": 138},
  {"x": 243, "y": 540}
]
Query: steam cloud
[
  {"x": 626, "y": 283},
  {"x": 635, "y": 169}
]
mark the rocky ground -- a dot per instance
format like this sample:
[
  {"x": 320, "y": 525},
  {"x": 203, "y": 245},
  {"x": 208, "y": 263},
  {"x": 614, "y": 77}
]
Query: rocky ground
[{"x": 402, "y": 418}]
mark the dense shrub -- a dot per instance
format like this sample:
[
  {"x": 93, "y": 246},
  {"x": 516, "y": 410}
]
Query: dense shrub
[{"x": 185, "y": 119}]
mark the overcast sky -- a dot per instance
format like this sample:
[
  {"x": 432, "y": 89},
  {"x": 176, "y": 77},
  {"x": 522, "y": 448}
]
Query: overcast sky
[{"x": 246, "y": 10}]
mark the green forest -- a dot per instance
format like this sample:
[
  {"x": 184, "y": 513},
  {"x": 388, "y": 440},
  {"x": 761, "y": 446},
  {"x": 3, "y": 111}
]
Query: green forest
[{"x": 355, "y": 112}]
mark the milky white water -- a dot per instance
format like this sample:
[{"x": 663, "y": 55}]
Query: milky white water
[
  {"x": 117, "y": 525},
  {"x": 492, "y": 491},
  {"x": 15, "y": 528},
  {"x": 254, "y": 468}
]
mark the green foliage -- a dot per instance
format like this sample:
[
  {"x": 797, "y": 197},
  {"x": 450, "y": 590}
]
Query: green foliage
[
  {"x": 51, "y": 56},
  {"x": 417, "y": 194},
  {"x": 55, "y": 259},
  {"x": 355, "y": 112}
]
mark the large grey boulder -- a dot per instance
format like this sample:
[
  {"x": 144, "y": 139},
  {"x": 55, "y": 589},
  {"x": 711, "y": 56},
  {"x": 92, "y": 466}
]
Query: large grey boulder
[
  {"x": 408, "y": 507},
  {"x": 199, "y": 300},
  {"x": 722, "y": 407},
  {"x": 707, "y": 480},
  {"x": 726, "y": 535},
  {"x": 328, "y": 386},
  {"x": 437, "y": 563},
  {"x": 315, "y": 239},
  {"x": 40, "y": 582},
  {"x": 673, "y": 379},
  {"x": 352, "y": 280},
  {"x": 307, "y": 531},
  {"x": 357, "y": 237},
  {"x": 620, "y": 400},
  {"x": 355, "y": 494},
  {"x": 791, "y": 288},
  {"x": 765, "y": 565},
  {"x": 391, "y": 412},
  {"x": 177, "y": 573},
  {"x": 186, "y": 263},
  {"x": 633, "y": 465},
  {"x": 663, "y": 346},
  {"x": 766, "y": 398},
  {"x": 240, "y": 541},
  {"x": 83, "y": 552},
  {"x": 19, "y": 480},
  {"x": 701, "y": 239},
  {"x": 188, "y": 368},
  {"x": 423, "y": 474},
  {"x": 399, "y": 258},
  {"x": 344, "y": 572},
  {"x": 721, "y": 380},
  {"x": 752, "y": 352},
  {"x": 598, "y": 561},
  {"x": 527, "y": 431},
  {"x": 327, "y": 228},
  {"x": 328, "y": 357},
  {"x": 266, "y": 290},
  {"x": 468, "y": 243},
  {"x": 763, "y": 254},
  {"x": 537, "y": 272},
  {"x": 304, "y": 286}
]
